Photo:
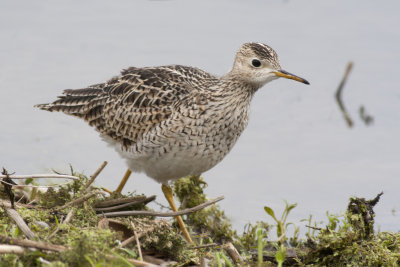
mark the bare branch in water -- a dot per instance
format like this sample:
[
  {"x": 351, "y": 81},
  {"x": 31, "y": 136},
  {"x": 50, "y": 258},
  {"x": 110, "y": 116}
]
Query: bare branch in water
[
  {"x": 338, "y": 95},
  {"x": 365, "y": 117}
]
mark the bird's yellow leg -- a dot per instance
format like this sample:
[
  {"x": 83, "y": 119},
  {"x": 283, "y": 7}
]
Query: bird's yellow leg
[
  {"x": 123, "y": 181},
  {"x": 106, "y": 190},
  {"x": 170, "y": 198}
]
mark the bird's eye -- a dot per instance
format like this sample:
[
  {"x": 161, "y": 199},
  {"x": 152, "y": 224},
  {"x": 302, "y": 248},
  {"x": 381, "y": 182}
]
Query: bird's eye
[{"x": 256, "y": 63}]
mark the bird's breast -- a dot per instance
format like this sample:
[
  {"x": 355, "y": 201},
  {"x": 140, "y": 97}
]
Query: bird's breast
[{"x": 188, "y": 143}]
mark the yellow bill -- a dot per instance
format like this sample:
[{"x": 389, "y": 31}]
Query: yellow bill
[{"x": 287, "y": 75}]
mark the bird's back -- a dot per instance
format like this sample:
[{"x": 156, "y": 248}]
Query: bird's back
[{"x": 131, "y": 104}]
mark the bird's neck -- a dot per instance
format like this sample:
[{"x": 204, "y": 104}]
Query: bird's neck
[
  {"x": 234, "y": 85},
  {"x": 230, "y": 94}
]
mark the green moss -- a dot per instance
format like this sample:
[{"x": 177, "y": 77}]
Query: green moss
[
  {"x": 343, "y": 247},
  {"x": 167, "y": 242},
  {"x": 211, "y": 222},
  {"x": 9, "y": 260},
  {"x": 90, "y": 243},
  {"x": 353, "y": 242},
  {"x": 52, "y": 197}
]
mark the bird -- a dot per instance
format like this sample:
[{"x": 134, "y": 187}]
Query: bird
[{"x": 173, "y": 121}]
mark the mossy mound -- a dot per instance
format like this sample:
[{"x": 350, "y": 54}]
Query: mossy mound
[
  {"x": 92, "y": 240},
  {"x": 88, "y": 242},
  {"x": 354, "y": 243}
]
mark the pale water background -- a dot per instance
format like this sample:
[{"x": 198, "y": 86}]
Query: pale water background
[{"x": 297, "y": 146}]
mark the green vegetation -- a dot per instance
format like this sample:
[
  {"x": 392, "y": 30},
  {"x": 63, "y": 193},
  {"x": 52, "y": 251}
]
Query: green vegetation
[
  {"x": 90, "y": 240},
  {"x": 210, "y": 224}
]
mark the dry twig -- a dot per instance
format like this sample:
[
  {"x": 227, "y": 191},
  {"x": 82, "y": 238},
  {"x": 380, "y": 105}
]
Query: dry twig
[
  {"x": 233, "y": 253},
  {"x": 37, "y": 176},
  {"x": 31, "y": 243},
  {"x": 128, "y": 241},
  {"x": 313, "y": 227},
  {"x": 134, "y": 202},
  {"x": 113, "y": 202},
  {"x": 137, "y": 242},
  {"x": 11, "y": 249},
  {"x": 159, "y": 262},
  {"x": 95, "y": 174},
  {"x": 7, "y": 204},
  {"x": 133, "y": 238},
  {"x": 161, "y": 214},
  {"x": 205, "y": 246},
  {"x": 20, "y": 223},
  {"x": 79, "y": 200},
  {"x": 57, "y": 176},
  {"x": 133, "y": 261},
  {"x": 203, "y": 262},
  {"x": 57, "y": 229},
  {"x": 69, "y": 216}
]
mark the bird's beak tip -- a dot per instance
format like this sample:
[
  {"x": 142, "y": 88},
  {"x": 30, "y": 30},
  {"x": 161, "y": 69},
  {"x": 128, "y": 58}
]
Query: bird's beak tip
[{"x": 288, "y": 75}]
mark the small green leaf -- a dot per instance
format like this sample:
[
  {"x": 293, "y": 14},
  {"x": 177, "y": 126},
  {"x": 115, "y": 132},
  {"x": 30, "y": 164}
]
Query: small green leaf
[
  {"x": 16, "y": 231},
  {"x": 227, "y": 261},
  {"x": 90, "y": 260},
  {"x": 270, "y": 212},
  {"x": 219, "y": 263},
  {"x": 260, "y": 245},
  {"x": 29, "y": 181},
  {"x": 280, "y": 255},
  {"x": 289, "y": 223},
  {"x": 123, "y": 259},
  {"x": 130, "y": 252},
  {"x": 290, "y": 207}
]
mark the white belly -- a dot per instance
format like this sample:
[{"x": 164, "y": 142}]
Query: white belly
[
  {"x": 171, "y": 166},
  {"x": 174, "y": 164}
]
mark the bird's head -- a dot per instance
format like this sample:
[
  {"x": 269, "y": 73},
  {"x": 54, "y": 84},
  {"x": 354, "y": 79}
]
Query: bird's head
[{"x": 258, "y": 64}]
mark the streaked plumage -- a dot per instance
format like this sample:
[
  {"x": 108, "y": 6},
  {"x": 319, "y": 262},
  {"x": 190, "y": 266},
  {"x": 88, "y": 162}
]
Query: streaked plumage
[{"x": 173, "y": 121}]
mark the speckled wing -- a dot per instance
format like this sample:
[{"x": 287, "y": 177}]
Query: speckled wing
[{"x": 129, "y": 105}]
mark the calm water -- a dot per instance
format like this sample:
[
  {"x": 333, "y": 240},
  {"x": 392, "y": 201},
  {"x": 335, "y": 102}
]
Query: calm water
[{"x": 297, "y": 146}]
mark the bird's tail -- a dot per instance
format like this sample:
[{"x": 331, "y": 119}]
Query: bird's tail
[{"x": 84, "y": 103}]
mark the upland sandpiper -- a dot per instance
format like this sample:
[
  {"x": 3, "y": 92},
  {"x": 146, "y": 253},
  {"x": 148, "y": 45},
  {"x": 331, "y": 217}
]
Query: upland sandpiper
[{"x": 174, "y": 121}]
